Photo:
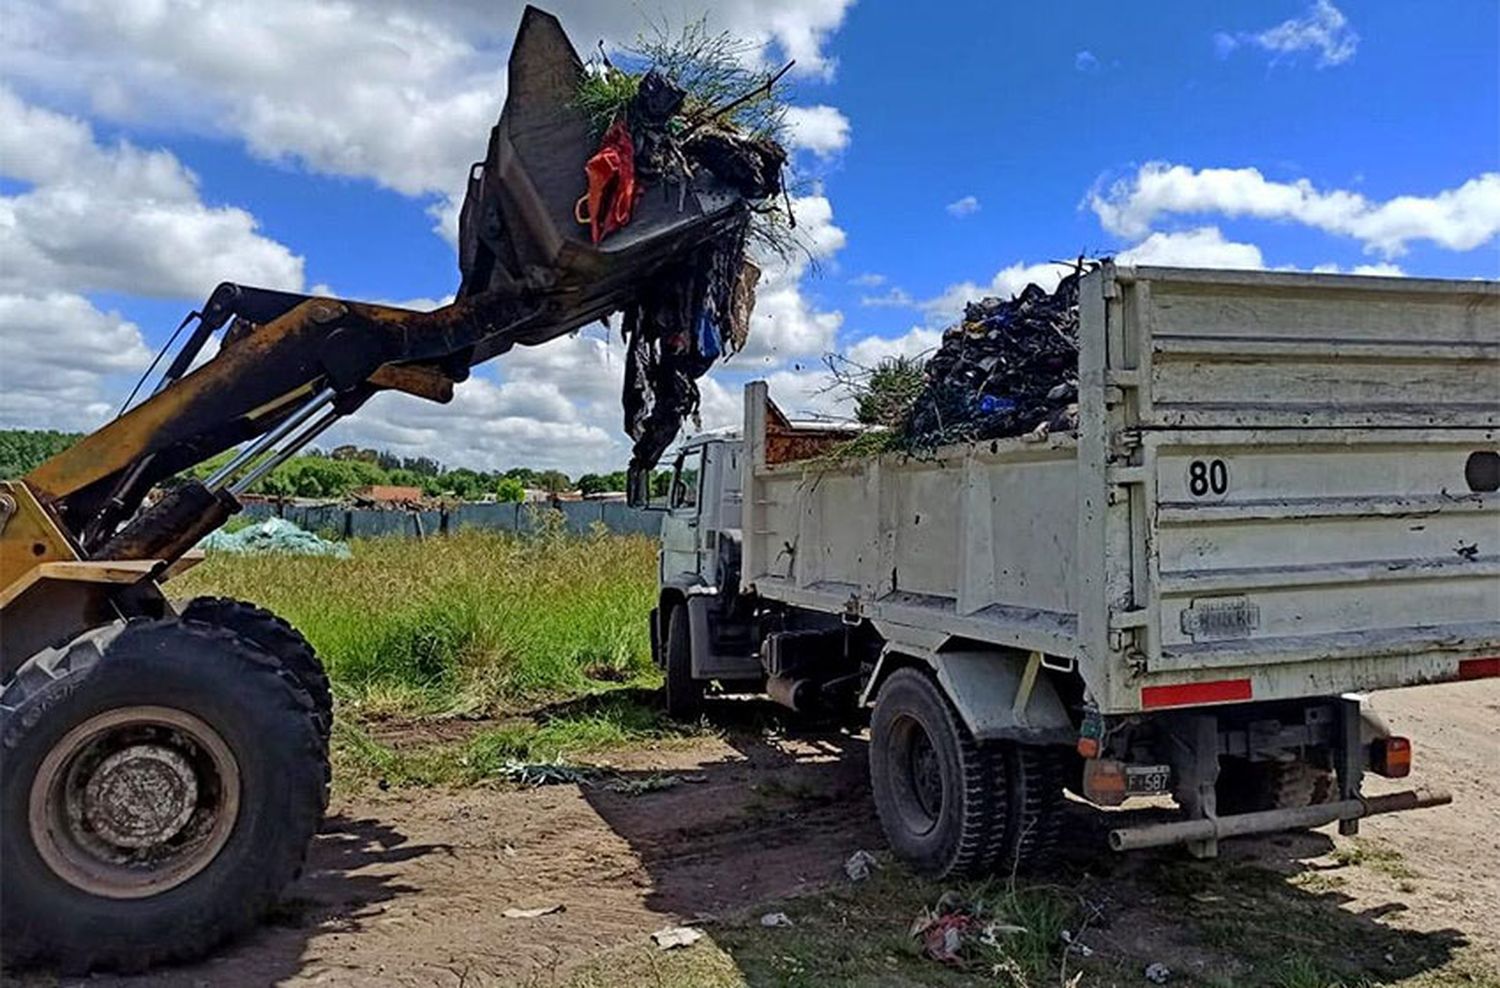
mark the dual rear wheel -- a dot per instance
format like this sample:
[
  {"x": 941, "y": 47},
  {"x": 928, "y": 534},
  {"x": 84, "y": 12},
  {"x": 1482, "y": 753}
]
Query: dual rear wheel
[{"x": 952, "y": 805}]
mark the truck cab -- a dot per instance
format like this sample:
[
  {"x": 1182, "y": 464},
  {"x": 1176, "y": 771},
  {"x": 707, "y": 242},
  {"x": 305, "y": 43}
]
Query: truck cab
[
  {"x": 700, "y": 529},
  {"x": 698, "y": 575}
]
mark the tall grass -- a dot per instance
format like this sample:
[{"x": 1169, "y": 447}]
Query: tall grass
[{"x": 472, "y": 622}]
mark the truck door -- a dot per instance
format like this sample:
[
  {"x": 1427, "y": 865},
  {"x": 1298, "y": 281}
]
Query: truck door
[{"x": 680, "y": 558}]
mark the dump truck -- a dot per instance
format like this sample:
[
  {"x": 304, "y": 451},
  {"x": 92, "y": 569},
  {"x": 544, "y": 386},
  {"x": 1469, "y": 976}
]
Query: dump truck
[
  {"x": 164, "y": 763},
  {"x": 1281, "y": 494}
]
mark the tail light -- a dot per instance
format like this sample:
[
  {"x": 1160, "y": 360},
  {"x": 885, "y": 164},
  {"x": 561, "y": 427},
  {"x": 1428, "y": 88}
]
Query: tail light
[
  {"x": 1104, "y": 781},
  {"x": 1391, "y": 757}
]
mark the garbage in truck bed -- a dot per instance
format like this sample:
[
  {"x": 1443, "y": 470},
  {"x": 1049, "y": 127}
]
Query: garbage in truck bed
[{"x": 1009, "y": 368}]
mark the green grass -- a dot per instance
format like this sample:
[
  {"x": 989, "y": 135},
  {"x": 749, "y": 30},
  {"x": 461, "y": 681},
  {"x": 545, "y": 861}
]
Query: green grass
[
  {"x": 1377, "y": 857},
  {"x": 546, "y": 633},
  {"x": 476, "y": 622}
]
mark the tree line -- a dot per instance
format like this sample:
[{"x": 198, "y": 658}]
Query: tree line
[{"x": 344, "y": 469}]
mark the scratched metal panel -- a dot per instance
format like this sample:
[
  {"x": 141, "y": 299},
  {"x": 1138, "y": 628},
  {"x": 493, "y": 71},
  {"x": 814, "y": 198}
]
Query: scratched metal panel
[
  {"x": 1296, "y": 546},
  {"x": 1244, "y": 349}
]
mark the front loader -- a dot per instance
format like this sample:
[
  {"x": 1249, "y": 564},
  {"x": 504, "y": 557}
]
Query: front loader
[{"x": 164, "y": 766}]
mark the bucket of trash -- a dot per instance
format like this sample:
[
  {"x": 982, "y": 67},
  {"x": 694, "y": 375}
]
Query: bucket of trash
[
  {"x": 646, "y": 208},
  {"x": 529, "y": 219}
]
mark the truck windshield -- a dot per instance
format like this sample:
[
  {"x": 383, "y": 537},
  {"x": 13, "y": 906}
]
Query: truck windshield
[{"x": 685, "y": 479}]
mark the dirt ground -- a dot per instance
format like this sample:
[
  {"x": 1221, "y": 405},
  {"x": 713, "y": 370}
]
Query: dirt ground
[{"x": 408, "y": 888}]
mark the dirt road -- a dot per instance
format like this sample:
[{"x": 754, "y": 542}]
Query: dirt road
[{"x": 409, "y": 888}]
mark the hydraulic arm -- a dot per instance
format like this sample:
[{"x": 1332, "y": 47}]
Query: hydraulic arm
[{"x": 165, "y": 764}]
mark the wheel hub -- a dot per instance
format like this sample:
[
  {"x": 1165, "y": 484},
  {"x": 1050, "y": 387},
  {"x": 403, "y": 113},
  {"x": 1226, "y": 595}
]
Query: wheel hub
[
  {"x": 134, "y": 801},
  {"x": 141, "y": 795}
]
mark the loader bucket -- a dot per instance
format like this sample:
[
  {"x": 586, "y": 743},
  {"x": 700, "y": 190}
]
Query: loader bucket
[{"x": 518, "y": 232}]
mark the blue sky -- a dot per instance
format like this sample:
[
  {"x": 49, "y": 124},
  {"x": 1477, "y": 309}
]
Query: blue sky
[{"x": 150, "y": 149}]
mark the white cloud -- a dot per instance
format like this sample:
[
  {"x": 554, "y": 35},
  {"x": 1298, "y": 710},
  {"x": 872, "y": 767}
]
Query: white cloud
[
  {"x": 64, "y": 363},
  {"x": 117, "y": 218},
  {"x": 1204, "y": 247},
  {"x": 1085, "y": 61},
  {"x": 868, "y": 280},
  {"x": 966, "y": 206},
  {"x": 1457, "y": 219},
  {"x": 949, "y": 306},
  {"x": 786, "y": 323},
  {"x": 1323, "y": 29},
  {"x": 480, "y": 428},
  {"x": 399, "y": 93},
  {"x": 894, "y": 298},
  {"x": 823, "y": 130}
]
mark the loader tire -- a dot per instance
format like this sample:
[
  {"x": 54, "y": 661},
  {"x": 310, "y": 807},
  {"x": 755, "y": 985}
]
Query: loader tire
[
  {"x": 277, "y": 636},
  {"x": 160, "y": 781},
  {"x": 684, "y": 693}
]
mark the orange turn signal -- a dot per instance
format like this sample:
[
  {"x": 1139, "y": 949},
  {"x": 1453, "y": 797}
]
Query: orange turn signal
[
  {"x": 1088, "y": 747},
  {"x": 1391, "y": 757},
  {"x": 1104, "y": 781}
]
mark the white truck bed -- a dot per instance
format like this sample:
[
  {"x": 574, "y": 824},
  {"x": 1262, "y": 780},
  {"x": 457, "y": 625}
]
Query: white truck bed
[{"x": 1271, "y": 495}]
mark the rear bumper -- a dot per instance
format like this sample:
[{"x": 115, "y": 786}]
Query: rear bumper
[{"x": 1241, "y": 824}]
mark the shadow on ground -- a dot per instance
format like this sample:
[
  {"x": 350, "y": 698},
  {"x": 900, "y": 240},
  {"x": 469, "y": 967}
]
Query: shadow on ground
[
  {"x": 779, "y": 818},
  {"x": 344, "y": 883}
]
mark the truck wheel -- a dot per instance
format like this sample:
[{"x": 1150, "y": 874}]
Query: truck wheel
[
  {"x": 161, "y": 782},
  {"x": 684, "y": 693},
  {"x": 937, "y": 790},
  {"x": 953, "y": 805},
  {"x": 277, "y": 636}
]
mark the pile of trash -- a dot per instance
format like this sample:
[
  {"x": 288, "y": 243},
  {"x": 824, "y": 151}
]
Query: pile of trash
[
  {"x": 1010, "y": 368},
  {"x": 662, "y": 129},
  {"x": 273, "y": 535}
]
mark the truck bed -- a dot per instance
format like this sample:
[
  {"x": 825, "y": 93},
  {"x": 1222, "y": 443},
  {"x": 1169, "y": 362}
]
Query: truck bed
[{"x": 1282, "y": 485}]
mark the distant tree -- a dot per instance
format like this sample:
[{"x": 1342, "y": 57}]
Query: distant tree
[
  {"x": 553, "y": 481},
  {"x": 661, "y": 483},
  {"x": 465, "y": 484},
  {"x": 526, "y": 475},
  {"x": 593, "y": 483},
  {"x": 355, "y": 454},
  {"x": 510, "y": 490},
  {"x": 424, "y": 465},
  {"x": 23, "y": 450}
]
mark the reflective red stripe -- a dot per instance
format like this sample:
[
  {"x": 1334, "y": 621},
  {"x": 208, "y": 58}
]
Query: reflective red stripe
[
  {"x": 1479, "y": 668},
  {"x": 1218, "y": 691}
]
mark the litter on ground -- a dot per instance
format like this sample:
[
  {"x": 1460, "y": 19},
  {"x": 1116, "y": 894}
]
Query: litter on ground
[
  {"x": 858, "y": 866},
  {"x": 772, "y": 920},
  {"x": 671, "y": 937},
  {"x": 534, "y": 913}
]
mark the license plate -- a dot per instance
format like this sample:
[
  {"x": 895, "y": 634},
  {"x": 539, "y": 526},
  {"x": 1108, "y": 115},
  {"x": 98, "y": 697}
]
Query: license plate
[{"x": 1142, "y": 779}]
